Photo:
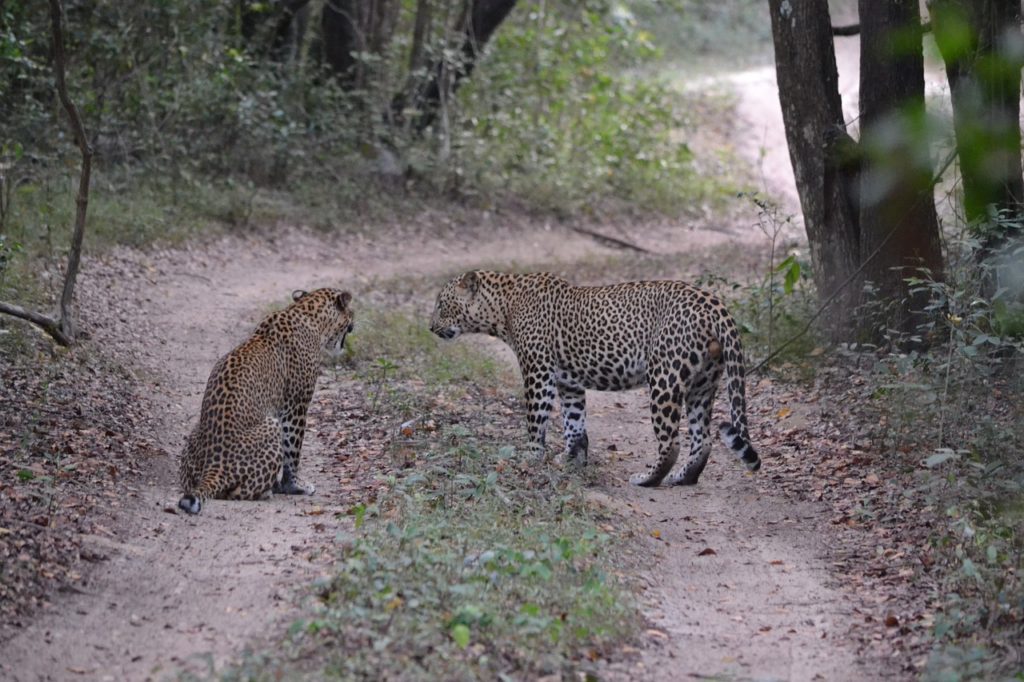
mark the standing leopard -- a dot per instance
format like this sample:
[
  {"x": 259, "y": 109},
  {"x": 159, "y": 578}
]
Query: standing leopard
[
  {"x": 253, "y": 417},
  {"x": 672, "y": 336}
]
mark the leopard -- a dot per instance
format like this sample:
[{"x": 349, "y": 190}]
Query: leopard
[
  {"x": 252, "y": 422},
  {"x": 674, "y": 337}
]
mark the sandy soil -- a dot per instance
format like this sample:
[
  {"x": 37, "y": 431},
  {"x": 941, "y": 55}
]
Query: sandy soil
[{"x": 179, "y": 593}]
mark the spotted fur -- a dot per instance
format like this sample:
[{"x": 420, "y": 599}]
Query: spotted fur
[
  {"x": 253, "y": 419},
  {"x": 671, "y": 336}
]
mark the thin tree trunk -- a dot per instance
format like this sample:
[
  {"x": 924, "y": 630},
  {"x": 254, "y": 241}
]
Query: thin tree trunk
[
  {"x": 812, "y": 112},
  {"x": 63, "y": 329},
  {"x": 419, "y": 36},
  {"x": 897, "y": 204},
  {"x": 67, "y": 320}
]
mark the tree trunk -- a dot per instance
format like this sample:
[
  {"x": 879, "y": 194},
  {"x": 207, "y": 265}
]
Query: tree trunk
[
  {"x": 477, "y": 22},
  {"x": 419, "y": 36},
  {"x": 276, "y": 29},
  {"x": 812, "y": 112},
  {"x": 63, "y": 329},
  {"x": 984, "y": 80},
  {"x": 67, "y": 318},
  {"x": 899, "y": 226},
  {"x": 352, "y": 28}
]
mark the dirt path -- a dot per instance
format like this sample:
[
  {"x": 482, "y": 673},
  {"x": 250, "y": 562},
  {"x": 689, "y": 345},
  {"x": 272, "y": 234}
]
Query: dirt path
[
  {"x": 178, "y": 593},
  {"x": 761, "y": 604}
]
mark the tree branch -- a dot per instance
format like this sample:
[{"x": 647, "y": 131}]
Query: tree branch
[
  {"x": 47, "y": 324},
  {"x": 854, "y": 29},
  {"x": 849, "y": 30}
]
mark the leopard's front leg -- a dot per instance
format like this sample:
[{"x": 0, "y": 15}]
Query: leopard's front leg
[
  {"x": 293, "y": 430},
  {"x": 539, "y": 391},
  {"x": 574, "y": 421}
]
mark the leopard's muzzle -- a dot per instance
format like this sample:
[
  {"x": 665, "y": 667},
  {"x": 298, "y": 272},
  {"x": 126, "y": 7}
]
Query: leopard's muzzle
[{"x": 446, "y": 332}]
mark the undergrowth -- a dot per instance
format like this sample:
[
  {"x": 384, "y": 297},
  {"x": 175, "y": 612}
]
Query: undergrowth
[
  {"x": 958, "y": 405},
  {"x": 470, "y": 567}
]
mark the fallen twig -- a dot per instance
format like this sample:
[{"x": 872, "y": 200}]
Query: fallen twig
[{"x": 621, "y": 243}]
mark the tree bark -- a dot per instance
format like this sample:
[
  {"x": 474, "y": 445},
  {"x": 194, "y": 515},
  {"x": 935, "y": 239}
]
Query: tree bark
[
  {"x": 984, "y": 80},
  {"x": 477, "y": 22},
  {"x": 897, "y": 204},
  {"x": 812, "y": 112}
]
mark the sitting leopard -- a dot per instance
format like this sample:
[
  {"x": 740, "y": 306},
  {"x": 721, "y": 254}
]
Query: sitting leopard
[
  {"x": 253, "y": 417},
  {"x": 672, "y": 336}
]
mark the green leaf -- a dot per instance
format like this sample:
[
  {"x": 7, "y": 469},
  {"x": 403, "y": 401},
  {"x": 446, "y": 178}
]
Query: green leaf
[
  {"x": 791, "y": 267},
  {"x": 792, "y": 277},
  {"x": 460, "y": 633},
  {"x": 537, "y": 568},
  {"x": 359, "y": 511},
  {"x": 26, "y": 475}
]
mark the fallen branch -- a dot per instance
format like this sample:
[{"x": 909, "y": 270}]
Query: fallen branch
[
  {"x": 44, "y": 322},
  {"x": 622, "y": 243}
]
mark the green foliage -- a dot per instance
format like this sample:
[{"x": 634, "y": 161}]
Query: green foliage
[
  {"x": 478, "y": 569},
  {"x": 195, "y": 124},
  {"x": 696, "y": 34},
  {"x": 776, "y": 309},
  {"x": 576, "y": 132},
  {"x": 954, "y": 406}
]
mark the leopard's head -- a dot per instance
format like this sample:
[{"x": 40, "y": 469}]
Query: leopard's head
[
  {"x": 461, "y": 308},
  {"x": 329, "y": 308}
]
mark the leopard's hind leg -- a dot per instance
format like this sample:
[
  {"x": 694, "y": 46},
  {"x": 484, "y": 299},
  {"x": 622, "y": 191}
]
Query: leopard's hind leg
[
  {"x": 667, "y": 389},
  {"x": 261, "y": 467},
  {"x": 699, "y": 405},
  {"x": 246, "y": 469}
]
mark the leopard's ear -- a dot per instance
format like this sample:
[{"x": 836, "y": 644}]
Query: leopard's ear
[
  {"x": 342, "y": 300},
  {"x": 298, "y": 294},
  {"x": 470, "y": 281}
]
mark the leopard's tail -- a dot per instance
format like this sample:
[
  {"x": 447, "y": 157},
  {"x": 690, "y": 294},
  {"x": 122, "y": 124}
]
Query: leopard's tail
[
  {"x": 211, "y": 485},
  {"x": 191, "y": 503},
  {"x": 198, "y": 484},
  {"x": 734, "y": 432}
]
